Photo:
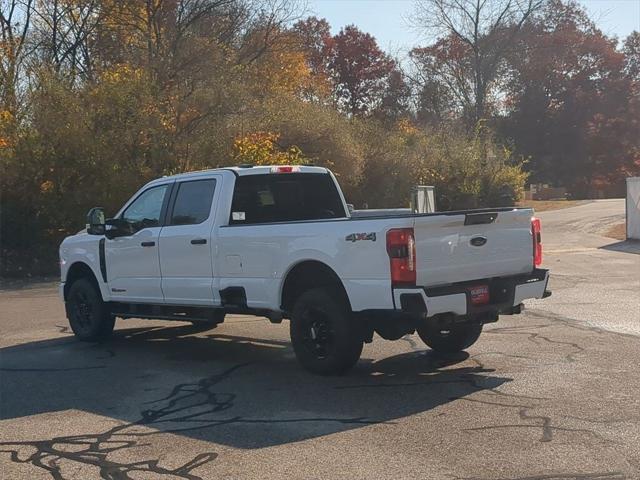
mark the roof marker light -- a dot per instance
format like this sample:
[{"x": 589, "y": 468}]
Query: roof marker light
[{"x": 285, "y": 169}]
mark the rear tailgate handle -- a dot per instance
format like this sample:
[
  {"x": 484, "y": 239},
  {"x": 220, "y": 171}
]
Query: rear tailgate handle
[
  {"x": 480, "y": 218},
  {"x": 198, "y": 241}
]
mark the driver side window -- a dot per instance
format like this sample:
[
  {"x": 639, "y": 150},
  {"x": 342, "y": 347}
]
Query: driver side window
[{"x": 145, "y": 210}]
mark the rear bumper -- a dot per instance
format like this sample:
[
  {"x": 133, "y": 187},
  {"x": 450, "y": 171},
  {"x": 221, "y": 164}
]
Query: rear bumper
[{"x": 506, "y": 296}]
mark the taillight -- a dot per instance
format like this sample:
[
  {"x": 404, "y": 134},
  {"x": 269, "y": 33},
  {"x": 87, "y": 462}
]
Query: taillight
[
  {"x": 536, "y": 230},
  {"x": 402, "y": 256}
]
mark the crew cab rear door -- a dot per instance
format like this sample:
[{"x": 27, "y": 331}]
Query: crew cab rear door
[
  {"x": 185, "y": 244},
  {"x": 465, "y": 246}
]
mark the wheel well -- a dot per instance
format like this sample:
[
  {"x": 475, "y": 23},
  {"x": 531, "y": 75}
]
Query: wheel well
[
  {"x": 307, "y": 275},
  {"x": 77, "y": 271}
]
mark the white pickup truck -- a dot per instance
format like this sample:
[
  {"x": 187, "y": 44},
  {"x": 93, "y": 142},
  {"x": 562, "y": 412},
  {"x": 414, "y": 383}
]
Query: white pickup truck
[{"x": 279, "y": 242}]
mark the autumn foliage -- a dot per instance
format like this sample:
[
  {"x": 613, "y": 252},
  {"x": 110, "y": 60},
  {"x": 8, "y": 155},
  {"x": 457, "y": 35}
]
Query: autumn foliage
[
  {"x": 99, "y": 96},
  {"x": 261, "y": 148}
]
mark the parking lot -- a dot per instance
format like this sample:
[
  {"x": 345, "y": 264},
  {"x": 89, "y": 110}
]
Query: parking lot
[{"x": 553, "y": 393}]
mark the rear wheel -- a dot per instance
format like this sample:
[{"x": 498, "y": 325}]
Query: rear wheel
[
  {"x": 88, "y": 315},
  {"x": 325, "y": 337},
  {"x": 452, "y": 339}
]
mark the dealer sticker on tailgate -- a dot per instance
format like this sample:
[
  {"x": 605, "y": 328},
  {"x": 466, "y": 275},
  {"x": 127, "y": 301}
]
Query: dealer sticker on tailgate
[{"x": 479, "y": 294}]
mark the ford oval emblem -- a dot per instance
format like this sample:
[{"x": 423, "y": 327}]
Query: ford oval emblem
[{"x": 478, "y": 241}]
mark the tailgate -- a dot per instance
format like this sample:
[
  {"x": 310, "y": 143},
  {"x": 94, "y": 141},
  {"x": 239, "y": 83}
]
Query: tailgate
[{"x": 472, "y": 245}]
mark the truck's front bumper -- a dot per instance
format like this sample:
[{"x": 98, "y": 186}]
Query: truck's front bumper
[{"x": 506, "y": 296}]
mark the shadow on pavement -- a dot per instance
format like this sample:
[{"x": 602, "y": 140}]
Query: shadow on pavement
[
  {"x": 627, "y": 246},
  {"x": 230, "y": 390}
]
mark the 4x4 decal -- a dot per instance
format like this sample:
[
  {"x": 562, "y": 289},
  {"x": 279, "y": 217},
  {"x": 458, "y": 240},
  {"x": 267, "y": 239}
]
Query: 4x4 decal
[{"x": 354, "y": 237}]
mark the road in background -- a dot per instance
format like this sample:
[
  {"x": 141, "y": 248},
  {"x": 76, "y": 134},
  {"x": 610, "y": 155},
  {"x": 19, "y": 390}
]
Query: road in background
[
  {"x": 550, "y": 394},
  {"x": 596, "y": 279}
]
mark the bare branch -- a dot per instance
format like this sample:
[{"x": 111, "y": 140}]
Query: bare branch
[{"x": 488, "y": 28}]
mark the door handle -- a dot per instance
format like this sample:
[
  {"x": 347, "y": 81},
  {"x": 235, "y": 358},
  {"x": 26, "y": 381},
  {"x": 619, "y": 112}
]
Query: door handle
[
  {"x": 148, "y": 244},
  {"x": 478, "y": 241},
  {"x": 198, "y": 241}
]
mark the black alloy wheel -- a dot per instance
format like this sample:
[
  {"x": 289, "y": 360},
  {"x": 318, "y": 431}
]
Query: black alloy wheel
[
  {"x": 88, "y": 315},
  {"x": 326, "y": 338}
]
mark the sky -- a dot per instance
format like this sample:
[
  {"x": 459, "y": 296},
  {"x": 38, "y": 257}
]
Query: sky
[{"x": 388, "y": 20}]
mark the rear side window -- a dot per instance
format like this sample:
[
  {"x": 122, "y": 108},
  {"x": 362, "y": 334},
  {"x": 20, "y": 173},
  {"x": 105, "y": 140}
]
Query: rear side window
[
  {"x": 285, "y": 197},
  {"x": 193, "y": 202}
]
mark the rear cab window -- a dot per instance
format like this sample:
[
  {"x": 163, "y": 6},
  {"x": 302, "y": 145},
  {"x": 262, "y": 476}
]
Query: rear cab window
[
  {"x": 285, "y": 197},
  {"x": 193, "y": 202}
]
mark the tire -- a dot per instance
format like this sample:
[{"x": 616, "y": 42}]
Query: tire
[
  {"x": 451, "y": 340},
  {"x": 325, "y": 337},
  {"x": 88, "y": 315}
]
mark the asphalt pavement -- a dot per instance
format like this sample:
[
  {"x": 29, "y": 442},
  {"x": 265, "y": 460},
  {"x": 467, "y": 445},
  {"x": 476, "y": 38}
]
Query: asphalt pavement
[
  {"x": 552, "y": 394},
  {"x": 596, "y": 279}
]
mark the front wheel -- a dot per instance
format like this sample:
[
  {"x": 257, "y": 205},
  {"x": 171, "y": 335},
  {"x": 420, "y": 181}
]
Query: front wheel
[
  {"x": 452, "y": 339},
  {"x": 325, "y": 337},
  {"x": 88, "y": 315}
]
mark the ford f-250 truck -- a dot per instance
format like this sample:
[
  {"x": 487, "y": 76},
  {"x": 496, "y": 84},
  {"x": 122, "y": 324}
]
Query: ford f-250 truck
[{"x": 279, "y": 242}]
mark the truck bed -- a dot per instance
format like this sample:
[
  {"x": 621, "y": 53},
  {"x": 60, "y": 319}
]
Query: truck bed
[{"x": 466, "y": 245}]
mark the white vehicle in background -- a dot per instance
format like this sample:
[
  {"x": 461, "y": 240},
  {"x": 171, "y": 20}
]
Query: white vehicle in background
[{"x": 280, "y": 242}]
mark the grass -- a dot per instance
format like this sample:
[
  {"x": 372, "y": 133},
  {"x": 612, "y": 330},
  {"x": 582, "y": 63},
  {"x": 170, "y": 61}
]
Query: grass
[
  {"x": 619, "y": 232},
  {"x": 545, "y": 205}
]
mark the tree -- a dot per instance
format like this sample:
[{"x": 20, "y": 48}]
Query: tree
[
  {"x": 15, "y": 23},
  {"x": 631, "y": 50},
  {"x": 315, "y": 39},
  {"x": 360, "y": 70},
  {"x": 99, "y": 96},
  {"x": 316, "y": 43},
  {"x": 443, "y": 75},
  {"x": 569, "y": 102},
  {"x": 262, "y": 148},
  {"x": 394, "y": 102},
  {"x": 486, "y": 32},
  {"x": 363, "y": 78},
  {"x": 63, "y": 31}
]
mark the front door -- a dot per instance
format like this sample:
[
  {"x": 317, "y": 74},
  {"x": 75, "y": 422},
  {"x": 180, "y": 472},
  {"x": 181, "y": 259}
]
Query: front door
[
  {"x": 186, "y": 249},
  {"x": 133, "y": 262}
]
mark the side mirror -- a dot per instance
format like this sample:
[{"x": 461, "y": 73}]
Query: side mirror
[
  {"x": 95, "y": 221},
  {"x": 118, "y": 228}
]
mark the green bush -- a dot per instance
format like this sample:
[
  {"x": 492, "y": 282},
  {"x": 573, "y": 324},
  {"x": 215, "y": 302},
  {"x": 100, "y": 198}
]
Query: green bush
[{"x": 469, "y": 171}]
